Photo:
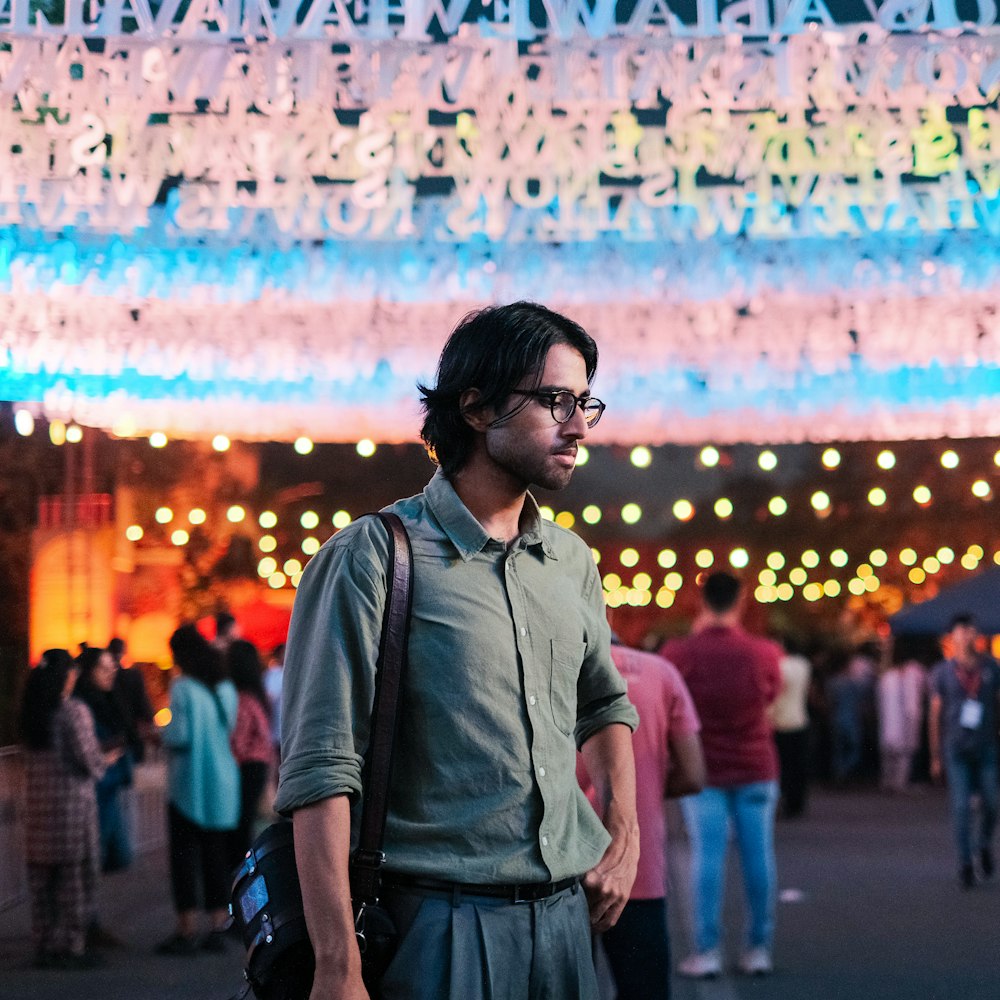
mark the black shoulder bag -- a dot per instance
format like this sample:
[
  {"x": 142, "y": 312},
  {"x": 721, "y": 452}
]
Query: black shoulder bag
[{"x": 266, "y": 902}]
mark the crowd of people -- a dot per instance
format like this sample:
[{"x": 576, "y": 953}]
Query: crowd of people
[
  {"x": 86, "y": 722},
  {"x": 517, "y": 708}
]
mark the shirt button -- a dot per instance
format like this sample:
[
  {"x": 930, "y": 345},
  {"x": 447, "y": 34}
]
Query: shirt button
[
  {"x": 545, "y": 841},
  {"x": 532, "y": 700},
  {"x": 524, "y": 631},
  {"x": 541, "y": 772}
]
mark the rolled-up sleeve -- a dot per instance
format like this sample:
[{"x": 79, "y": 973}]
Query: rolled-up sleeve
[
  {"x": 601, "y": 691},
  {"x": 329, "y": 678}
]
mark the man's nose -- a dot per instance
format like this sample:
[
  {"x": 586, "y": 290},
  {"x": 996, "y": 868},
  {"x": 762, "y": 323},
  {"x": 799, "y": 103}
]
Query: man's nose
[{"x": 576, "y": 427}]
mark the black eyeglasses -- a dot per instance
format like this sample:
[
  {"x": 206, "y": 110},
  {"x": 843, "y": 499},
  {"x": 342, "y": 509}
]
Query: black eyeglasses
[{"x": 562, "y": 404}]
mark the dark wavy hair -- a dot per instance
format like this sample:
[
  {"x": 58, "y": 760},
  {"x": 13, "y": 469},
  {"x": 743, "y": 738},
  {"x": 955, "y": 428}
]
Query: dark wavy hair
[
  {"x": 492, "y": 350},
  {"x": 196, "y": 656},
  {"x": 43, "y": 696},
  {"x": 245, "y": 671}
]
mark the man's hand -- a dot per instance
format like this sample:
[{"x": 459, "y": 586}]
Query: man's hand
[
  {"x": 609, "y": 883},
  {"x": 608, "y": 758},
  {"x": 333, "y": 984}
]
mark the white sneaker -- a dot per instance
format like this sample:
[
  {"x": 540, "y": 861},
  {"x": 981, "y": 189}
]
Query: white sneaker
[
  {"x": 756, "y": 962},
  {"x": 701, "y": 965}
]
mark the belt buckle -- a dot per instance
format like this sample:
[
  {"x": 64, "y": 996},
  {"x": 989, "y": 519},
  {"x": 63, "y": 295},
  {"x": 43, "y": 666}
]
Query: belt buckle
[{"x": 518, "y": 898}]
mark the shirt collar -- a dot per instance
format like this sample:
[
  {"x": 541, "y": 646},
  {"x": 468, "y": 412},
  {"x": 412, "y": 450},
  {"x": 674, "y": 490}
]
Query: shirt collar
[{"x": 467, "y": 534}]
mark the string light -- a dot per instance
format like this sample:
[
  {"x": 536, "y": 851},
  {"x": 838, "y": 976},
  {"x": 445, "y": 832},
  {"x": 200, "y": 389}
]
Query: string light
[
  {"x": 631, "y": 513},
  {"x": 591, "y": 514},
  {"x": 666, "y": 558},
  {"x": 309, "y": 520},
  {"x": 236, "y": 514},
  {"x": 365, "y": 448},
  {"x": 163, "y": 515},
  {"x": 723, "y": 508},
  {"x": 886, "y": 459},
  {"x": 180, "y": 537},
  {"x": 877, "y": 496},
  {"x": 739, "y": 558},
  {"x": 74, "y": 434},
  {"x": 777, "y": 506},
  {"x": 949, "y": 459},
  {"x": 709, "y": 456},
  {"x": 767, "y": 460},
  {"x": 303, "y": 446},
  {"x": 221, "y": 443},
  {"x": 641, "y": 457},
  {"x": 134, "y": 532},
  {"x": 922, "y": 495},
  {"x": 197, "y": 516},
  {"x": 820, "y": 500},
  {"x": 267, "y": 543},
  {"x": 582, "y": 455},
  {"x": 268, "y": 519},
  {"x": 704, "y": 558},
  {"x": 831, "y": 458},
  {"x": 565, "y": 519},
  {"x": 628, "y": 557},
  {"x": 24, "y": 423},
  {"x": 981, "y": 489},
  {"x": 158, "y": 439},
  {"x": 341, "y": 519},
  {"x": 683, "y": 510}
]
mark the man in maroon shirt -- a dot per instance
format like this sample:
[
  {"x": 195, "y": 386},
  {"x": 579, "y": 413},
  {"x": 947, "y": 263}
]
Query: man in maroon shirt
[{"x": 732, "y": 677}]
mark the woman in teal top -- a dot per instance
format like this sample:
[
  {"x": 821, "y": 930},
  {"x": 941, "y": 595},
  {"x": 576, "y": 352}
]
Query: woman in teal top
[{"x": 203, "y": 787}]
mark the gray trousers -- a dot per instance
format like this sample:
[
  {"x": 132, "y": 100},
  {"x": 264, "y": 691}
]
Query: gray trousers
[{"x": 488, "y": 949}]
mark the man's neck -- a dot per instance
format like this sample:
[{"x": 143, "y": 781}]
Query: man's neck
[
  {"x": 493, "y": 499},
  {"x": 715, "y": 619}
]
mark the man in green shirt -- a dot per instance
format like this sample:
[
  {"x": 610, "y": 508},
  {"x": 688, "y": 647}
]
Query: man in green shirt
[{"x": 509, "y": 673}]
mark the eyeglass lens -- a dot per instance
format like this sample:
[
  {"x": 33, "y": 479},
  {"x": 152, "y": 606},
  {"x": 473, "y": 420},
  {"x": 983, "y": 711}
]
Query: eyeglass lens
[{"x": 564, "y": 403}]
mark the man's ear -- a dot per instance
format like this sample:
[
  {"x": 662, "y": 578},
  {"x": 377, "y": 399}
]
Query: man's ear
[{"x": 475, "y": 416}]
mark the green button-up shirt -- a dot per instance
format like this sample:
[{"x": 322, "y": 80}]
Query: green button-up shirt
[{"x": 509, "y": 672}]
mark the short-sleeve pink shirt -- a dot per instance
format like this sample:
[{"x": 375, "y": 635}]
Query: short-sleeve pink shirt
[{"x": 665, "y": 708}]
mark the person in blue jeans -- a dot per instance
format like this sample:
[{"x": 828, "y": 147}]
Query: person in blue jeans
[
  {"x": 962, "y": 731},
  {"x": 733, "y": 677}
]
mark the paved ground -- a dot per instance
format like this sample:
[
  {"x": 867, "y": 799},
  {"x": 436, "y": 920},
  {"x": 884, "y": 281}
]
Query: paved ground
[{"x": 877, "y": 915}]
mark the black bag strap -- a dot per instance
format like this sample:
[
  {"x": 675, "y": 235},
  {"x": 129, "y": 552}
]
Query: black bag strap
[{"x": 368, "y": 856}]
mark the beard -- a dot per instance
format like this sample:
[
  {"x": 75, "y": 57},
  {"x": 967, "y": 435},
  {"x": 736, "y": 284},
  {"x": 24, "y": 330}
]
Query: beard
[{"x": 529, "y": 466}]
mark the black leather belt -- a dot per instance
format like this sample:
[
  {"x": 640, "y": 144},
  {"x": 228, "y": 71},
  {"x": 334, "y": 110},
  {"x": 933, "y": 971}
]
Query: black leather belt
[{"x": 528, "y": 892}]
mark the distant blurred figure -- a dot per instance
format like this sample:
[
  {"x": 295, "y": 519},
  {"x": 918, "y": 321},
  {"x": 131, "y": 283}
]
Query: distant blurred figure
[
  {"x": 251, "y": 739},
  {"x": 790, "y": 718},
  {"x": 96, "y": 689},
  {"x": 962, "y": 726},
  {"x": 63, "y": 762},
  {"x": 130, "y": 686},
  {"x": 227, "y": 630},
  {"x": 203, "y": 787},
  {"x": 668, "y": 764},
  {"x": 733, "y": 677},
  {"x": 273, "y": 679},
  {"x": 901, "y": 693},
  {"x": 849, "y": 693}
]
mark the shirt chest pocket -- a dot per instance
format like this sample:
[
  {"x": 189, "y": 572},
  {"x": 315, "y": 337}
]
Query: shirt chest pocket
[{"x": 567, "y": 657}]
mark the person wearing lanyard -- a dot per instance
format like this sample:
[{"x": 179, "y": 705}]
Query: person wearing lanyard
[{"x": 965, "y": 693}]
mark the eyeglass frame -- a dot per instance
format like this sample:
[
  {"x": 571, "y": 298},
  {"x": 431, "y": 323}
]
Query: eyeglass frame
[{"x": 578, "y": 401}]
